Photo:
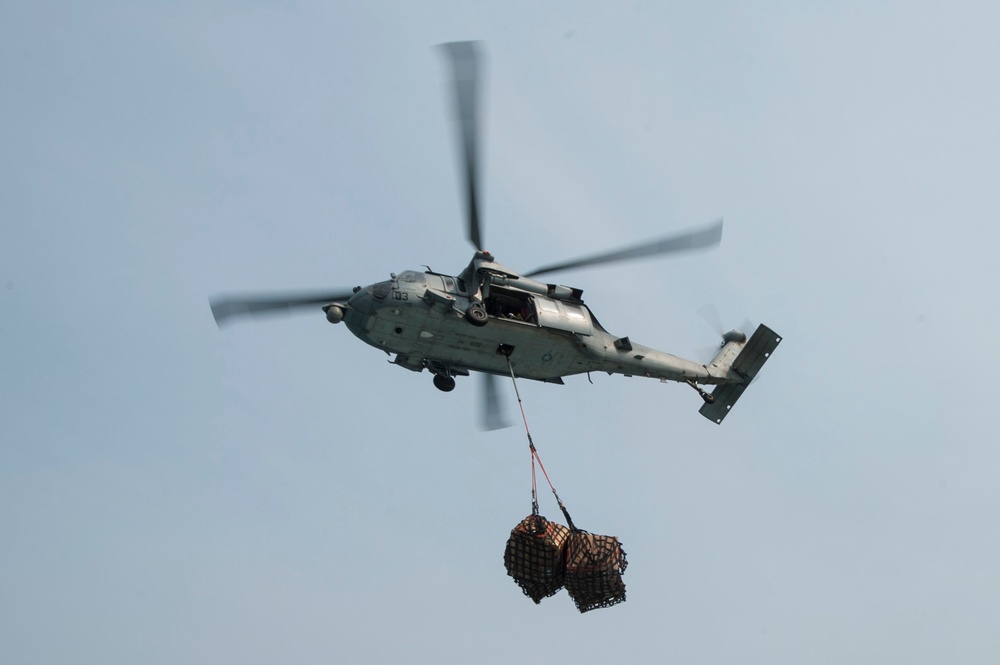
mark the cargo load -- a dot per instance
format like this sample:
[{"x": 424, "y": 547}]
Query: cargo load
[
  {"x": 594, "y": 567},
  {"x": 535, "y": 556}
]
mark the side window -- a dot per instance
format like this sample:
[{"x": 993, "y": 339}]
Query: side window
[{"x": 573, "y": 312}]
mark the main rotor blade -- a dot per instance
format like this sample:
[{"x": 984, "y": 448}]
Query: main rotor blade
[
  {"x": 226, "y": 308},
  {"x": 492, "y": 415},
  {"x": 709, "y": 236},
  {"x": 465, "y": 66}
]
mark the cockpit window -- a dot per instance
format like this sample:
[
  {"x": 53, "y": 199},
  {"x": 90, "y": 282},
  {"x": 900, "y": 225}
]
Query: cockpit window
[
  {"x": 412, "y": 277},
  {"x": 381, "y": 290}
]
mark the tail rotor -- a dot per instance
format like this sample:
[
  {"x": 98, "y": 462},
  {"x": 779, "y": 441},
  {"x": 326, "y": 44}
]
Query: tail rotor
[{"x": 709, "y": 313}]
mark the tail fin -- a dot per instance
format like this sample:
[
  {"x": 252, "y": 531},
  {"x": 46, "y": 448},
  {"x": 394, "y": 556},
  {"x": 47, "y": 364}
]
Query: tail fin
[{"x": 755, "y": 353}]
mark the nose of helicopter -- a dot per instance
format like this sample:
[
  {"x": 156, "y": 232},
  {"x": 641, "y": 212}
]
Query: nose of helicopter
[
  {"x": 364, "y": 302},
  {"x": 360, "y": 301},
  {"x": 363, "y": 299},
  {"x": 361, "y": 309}
]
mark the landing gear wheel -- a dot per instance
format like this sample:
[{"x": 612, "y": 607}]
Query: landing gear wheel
[
  {"x": 444, "y": 383},
  {"x": 476, "y": 315},
  {"x": 707, "y": 396}
]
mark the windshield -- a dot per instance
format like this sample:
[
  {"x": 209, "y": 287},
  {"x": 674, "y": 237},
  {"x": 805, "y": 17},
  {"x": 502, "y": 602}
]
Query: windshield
[{"x": 412, "y": 277}]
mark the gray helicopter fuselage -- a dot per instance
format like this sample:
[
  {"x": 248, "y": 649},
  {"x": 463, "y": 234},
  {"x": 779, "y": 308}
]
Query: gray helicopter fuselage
[
  {"x": 419, "y": 317},
  {"x": 493, "y": 320}
]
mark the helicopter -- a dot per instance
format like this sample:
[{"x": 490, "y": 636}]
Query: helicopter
[{"x": 495, "y": 321}]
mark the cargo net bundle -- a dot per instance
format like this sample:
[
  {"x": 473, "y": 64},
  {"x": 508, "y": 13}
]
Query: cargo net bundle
[
  {"x": 594, "y": 567},
  {"x": 536, "y": 556},
  {"x": 543, "y": 556}
]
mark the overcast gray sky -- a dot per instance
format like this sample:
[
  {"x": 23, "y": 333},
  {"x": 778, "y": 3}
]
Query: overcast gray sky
[{"x": 278, "y": 492}]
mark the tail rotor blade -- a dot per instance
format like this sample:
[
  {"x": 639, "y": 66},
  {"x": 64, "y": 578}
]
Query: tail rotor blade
[
  {"x": 465, "y": 69},
  {"x": 710, "y": 315},
  {"x": 710, "y": 236}
]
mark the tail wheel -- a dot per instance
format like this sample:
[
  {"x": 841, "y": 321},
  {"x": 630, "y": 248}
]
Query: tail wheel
[
  {"x": 476, "y": 315},
  {"x": 444, "y": 383}
]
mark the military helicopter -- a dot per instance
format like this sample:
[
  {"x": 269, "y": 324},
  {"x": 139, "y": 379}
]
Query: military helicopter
[{"x": 499, "y": 322}]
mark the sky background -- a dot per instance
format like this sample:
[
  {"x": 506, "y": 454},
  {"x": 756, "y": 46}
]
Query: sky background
[{"x": 278, "y": 492}]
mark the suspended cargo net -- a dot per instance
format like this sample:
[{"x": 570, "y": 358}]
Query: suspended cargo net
[
  {"x": 543, "y": 556},
  {"x": 594, "y": 567},
  {"x": 535, "y": 556}
]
